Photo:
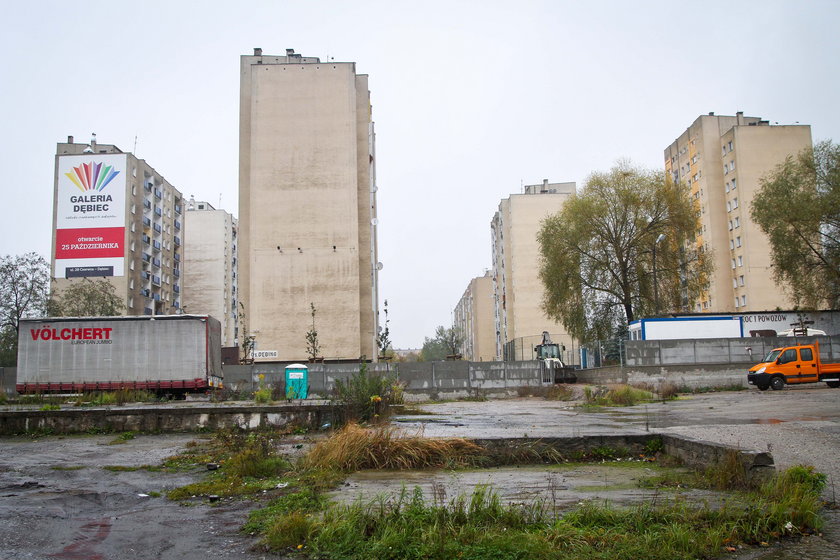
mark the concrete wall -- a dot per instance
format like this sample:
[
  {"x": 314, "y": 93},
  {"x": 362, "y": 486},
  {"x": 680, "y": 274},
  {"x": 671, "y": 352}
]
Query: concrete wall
[
  {"x": 718, "y": 350},
  {"x": 422, "y": 380}
]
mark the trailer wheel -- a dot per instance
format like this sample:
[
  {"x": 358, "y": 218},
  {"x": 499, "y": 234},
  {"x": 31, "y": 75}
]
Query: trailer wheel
[
  {"x": 777, "y": 383},
  {"x": 833, "y": 384}
]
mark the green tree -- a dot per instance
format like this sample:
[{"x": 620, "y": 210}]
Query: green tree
[
  {"x": 87, "y": 298},
  {"x": 24, "y": 288},
  {"x": 446, "y": 342},
  {"x": 622, "y": 248},
  {"x": 798, "y": 207}
]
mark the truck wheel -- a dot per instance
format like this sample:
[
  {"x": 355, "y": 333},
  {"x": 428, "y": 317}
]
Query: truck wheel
[
  {"x": 833, "y": 384},
  {"x": 777, "y": 383},
  {"x": 762, "y": 386}
]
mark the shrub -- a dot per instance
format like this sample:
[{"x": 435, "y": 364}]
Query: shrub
[
  {"x": 668, "y": 391},
  {"x": 621, "y": 395},
  {"x": 560, "y": 393},
  {"x": 366, "y": 397}
]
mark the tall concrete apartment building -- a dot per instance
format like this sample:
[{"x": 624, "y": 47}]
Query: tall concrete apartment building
[
  {"x": 210, "y": 257},
  {"x": 116, "y": 218},
  {"x": 517, "y": 289},
  {"x": 722, "y": 159},
  {"x": 307, "y": 204},
  {"x": 474, "y": 317}
]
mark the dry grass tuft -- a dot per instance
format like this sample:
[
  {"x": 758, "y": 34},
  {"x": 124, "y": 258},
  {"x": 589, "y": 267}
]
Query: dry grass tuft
[{"x": 384, "y": 447}]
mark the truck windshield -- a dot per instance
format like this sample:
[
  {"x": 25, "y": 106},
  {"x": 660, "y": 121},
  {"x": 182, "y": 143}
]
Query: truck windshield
[
  {"x": 549, "y": 351},
  {"x": 771, "y": 357}
]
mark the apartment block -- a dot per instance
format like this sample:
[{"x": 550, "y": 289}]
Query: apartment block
[
  {"x": 474, "y": 317},
  {"x": 307, "y": 204},
  {"x": 722, "y": 160},
  {"x": 116, "y": 218},
  {"x": 519, "y": 319},
  {"x": 210, "y": 257}
]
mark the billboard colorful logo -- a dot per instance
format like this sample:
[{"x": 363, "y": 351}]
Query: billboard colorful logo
[{"x": 92, "y": 176}]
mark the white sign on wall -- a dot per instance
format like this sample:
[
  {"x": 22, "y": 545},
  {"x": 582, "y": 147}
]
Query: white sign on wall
[{"x": 265, "y": 354}]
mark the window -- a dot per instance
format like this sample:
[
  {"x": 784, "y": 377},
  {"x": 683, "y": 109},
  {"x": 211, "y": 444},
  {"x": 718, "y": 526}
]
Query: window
[
  {"x": 740, "y": 260},
  {"x": 788, "y": 355},
  {"x": 733, "y": 263},
  {"x": 744, "y": 300},
  {"x": 734, "y": 184},
  {"x": 694, "y": 159},
  {"x": 728, "y": 206},
  {"x": 736, "y": 302},
  {"x": 133, "y": 190},
  {"x": 727, "y": 186},
  {"x": 131, "y": 284},
  {"x": 730, "y": 145},
  {"x": 723, "y": 150},
  {"x": 734, "y": 283},
  {"x": 133, "y": 208},
  {"x": 732, "y": 165},
  {"x": 696, "y": 176},
  {"x": 737, "y": 222},
  {"x": 734, "y": 203},
  {"x": 741, "y": 280},
  {"x": 806, "y": 354},
  {"x": 132, "y": 245},
  {"x": 738, "y": 241},
  {"x": 730, "y": 225},
  {"x": 725, "y": 169},
  {"x": 731, "y": 244}
]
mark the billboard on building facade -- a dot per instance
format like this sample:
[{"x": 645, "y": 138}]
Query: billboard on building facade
[{"x": 90, "y": 216}]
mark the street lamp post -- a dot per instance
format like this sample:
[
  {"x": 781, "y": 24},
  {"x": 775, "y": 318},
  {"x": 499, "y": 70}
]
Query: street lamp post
[{"x": 655, "y": 283}]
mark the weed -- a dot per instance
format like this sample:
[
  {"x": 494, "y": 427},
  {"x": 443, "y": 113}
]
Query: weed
[
  {"x": 263, "y": 394},
  {"x": 560, "y": 393},
  {"x": 353, "y": 448},
  {"x": 621, "y": 395},
  {"x": 365, "y": 397},
  {"x": 154, "y": 494},
  {"x": 67, "y": 467},
  {"x": 654, "y": 446},
  {"x": 48, "y": 407},
  {"x": 123, "y": 438},
  {"x": 668, "y": 391}
]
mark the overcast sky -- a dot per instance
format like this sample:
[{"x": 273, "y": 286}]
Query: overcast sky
[{"x": 471, "y": 100}]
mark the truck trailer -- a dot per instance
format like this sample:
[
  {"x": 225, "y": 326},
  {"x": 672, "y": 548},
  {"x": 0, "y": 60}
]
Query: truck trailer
[{"x": 169, "y": 354}]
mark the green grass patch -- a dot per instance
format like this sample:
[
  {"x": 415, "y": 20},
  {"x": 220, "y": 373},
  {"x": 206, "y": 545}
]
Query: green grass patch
[
  {"x": 481, "y": 526},
  {"x": 67, "y": 467}
]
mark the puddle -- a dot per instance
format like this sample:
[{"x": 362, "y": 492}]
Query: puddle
[{"x": 561, "y": 486}]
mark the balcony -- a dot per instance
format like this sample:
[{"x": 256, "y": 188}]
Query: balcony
[
  {"x": 145, "y": 292},
  {"x": 177, "y": 208},
  {"x": 156, "y": 245},
  {"x": 176, "y": 288},
  {"x": 157, "y": 228},
  {"x": 147, "y": 204},
  {"x": 147, "y": 257},
  {"x": 145, "y": 274},
  {"x": 177, "y": 241},
  {"x": 176, "y": 273},
  {"x": 158, "y": 193},
  {"x": 147, "y": 222},
  {"x": 148, "y": 187},
  {"x": 156, "y": 297},
  {"x": 158, "y": 211},
  {"x": 177, "y": 224},
  {"x": 156, "y": 280},
  {"x": 177, "y": 257},
  {"x": 156, "y": 262},
  {"x": 146, "y": 239}
]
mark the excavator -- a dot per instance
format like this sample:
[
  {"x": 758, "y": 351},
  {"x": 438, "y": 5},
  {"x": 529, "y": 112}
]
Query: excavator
[{"x": 550, "y": 356}]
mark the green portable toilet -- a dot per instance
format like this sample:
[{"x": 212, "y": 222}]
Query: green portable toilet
[{"x": 297, "y": 381}]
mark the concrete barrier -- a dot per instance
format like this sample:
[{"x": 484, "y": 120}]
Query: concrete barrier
[{"x": 307, "y": 414}]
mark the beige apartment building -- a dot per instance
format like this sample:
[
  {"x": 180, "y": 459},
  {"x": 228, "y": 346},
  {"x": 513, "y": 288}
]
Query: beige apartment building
[
  {"x": 519, "y": 318},
  {"x": 722, "y": 160},
  {"x": 210, "y": 257},
  {"x": 116, "y": 218},
  {"x": 474, "y": 317},
  {"x": 307, "y": 204}
]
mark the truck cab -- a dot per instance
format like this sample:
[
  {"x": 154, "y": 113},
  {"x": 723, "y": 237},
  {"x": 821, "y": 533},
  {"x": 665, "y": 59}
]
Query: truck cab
[{"x": 793, "y": 365}]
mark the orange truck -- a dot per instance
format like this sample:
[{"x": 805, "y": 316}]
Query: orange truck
[{"x": 793, "y": 364}]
